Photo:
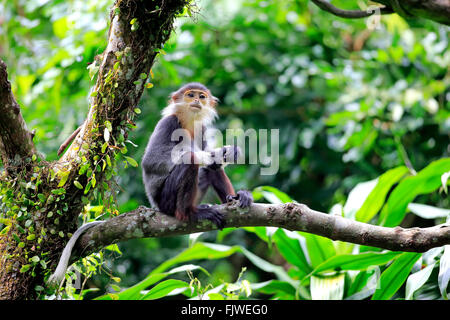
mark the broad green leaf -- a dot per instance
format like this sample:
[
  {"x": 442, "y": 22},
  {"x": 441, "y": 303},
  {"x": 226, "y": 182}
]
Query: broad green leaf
[
  {"x": 273, "y": 195},
  {"x": 360, "y": 282},
  {"x": 259, "y": 231},
  {"x": 376, "y": 198},
  {"x": 357, "y": 196},
  {"x": 327, "y": 287},
  {"x": 199, "y": 250},
  {"x": 273, "y": 287},
  {"x": 360, "y": 261},
  {"x": 445, "y": 179},
  {"x": 268, "y": 267},
  {"x": 134, "y": 292},
  {"x": 428, "y": 212},
  {"x": 426, "y": 181},
  {"x": 291, "y": 251},
  {"x": 395, "y": 275},
  {"x": 162, "y": 289},
  {"x": 320, "y": 248},
  {"x": 444, "y": 272},
  {"x": 417, "y": 280}
]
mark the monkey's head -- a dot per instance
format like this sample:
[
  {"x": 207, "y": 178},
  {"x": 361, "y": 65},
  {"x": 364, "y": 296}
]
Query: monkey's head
[{"x": 193, "y": 101}]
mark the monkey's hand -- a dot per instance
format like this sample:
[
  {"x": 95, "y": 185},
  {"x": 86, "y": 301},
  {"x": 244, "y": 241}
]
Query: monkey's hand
[
  {"x": 231, "y": 154},
  {"x": 245, "y": 198},
  {"x": 224, "y": 156}
]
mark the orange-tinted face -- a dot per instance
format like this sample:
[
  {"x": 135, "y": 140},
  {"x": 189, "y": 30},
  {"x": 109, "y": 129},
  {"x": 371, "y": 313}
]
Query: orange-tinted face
[{"x": 195, "y": 98}]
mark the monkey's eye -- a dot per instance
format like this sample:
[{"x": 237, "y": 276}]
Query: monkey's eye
[
  {"x": 202, "y": 96},
  {"x": 190, "y": 95}
]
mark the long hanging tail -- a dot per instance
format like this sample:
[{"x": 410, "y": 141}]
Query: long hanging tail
[{"x": 58, "y": 275}]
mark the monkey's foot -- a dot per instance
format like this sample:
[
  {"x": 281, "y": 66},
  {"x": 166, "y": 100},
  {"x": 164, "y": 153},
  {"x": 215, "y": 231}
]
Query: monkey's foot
[
  {"x": 209, "y": 213},
  {"x": 245, "y": 198}
]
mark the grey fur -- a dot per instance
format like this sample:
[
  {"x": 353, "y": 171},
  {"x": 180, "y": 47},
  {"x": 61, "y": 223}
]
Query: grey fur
[
  {"x": 58, "y": 275},
  {"x": 156, "y": 163}
]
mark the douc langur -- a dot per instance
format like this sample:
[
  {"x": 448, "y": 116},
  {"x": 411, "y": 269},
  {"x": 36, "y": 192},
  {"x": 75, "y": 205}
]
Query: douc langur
[{"x": 173, "y": 185}]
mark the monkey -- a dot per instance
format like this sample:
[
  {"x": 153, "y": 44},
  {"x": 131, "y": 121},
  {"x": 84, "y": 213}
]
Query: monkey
[{"x": 176, "y": 188}]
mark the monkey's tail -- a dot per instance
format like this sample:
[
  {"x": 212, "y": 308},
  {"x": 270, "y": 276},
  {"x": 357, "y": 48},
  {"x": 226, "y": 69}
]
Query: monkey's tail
[{"x": 58, "y": 275}]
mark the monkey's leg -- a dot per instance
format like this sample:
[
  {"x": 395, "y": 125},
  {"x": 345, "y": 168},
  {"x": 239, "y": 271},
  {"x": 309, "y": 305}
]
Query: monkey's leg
[
  {"x": 178, "y": 196},
  {"x": 219, "y": 180}
]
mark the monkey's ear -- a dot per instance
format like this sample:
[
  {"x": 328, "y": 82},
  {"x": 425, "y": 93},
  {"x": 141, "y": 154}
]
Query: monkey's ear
[
  {"x": 214, "y": 101},
  {"x": 175, "y": 96}
]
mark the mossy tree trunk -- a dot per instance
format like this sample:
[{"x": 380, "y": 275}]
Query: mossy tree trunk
[{"x": 43, "y": 200}]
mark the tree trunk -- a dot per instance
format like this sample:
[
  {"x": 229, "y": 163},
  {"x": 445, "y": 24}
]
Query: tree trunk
[{"x": 44, "y": 200}]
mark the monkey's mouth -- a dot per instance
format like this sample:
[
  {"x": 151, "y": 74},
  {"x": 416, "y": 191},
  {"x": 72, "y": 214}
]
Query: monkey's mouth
[{"x": 196, "y": 105}]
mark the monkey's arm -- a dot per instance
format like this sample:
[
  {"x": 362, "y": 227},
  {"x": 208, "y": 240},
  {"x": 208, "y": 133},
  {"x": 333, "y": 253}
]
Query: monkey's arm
[{"x": 221, "y": 184}]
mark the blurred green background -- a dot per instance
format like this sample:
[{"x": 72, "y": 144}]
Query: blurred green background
[{"x": 350, "y": 104}]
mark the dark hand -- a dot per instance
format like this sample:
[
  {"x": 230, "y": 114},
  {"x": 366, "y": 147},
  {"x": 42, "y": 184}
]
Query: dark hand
[
  {"x": 231, "y": 154},
  {"x": 227, "y": 154},
  {"x": 245, "y": 198}
]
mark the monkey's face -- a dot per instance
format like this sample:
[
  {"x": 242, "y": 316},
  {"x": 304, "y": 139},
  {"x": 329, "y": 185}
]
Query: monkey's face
[{"x": 196, "y": 100}]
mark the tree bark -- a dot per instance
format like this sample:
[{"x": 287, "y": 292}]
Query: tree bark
[
  {"x": 436, "y": 10},
  {"x": 144, "y": 222},
  {"x": 16, "y": 142},
  {"x": 51, "y": 197}
]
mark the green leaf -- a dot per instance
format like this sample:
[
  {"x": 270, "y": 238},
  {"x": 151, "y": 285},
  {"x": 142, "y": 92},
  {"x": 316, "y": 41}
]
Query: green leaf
[
  {"x": 132, "y": 161},
  {"x": 360, "y": 284},
  {"x": 426, "y": 181},
  {"x": 162, "y": 289},
  {"x": 64, "y": 176},
  {"x": 273, "y": 195},
  {"x": 445, "y": 179},
  {"x": 376, "y": 198},
  {"x": 268, "y": 267},
  {"x": 134, "y": 292},
  {"x": 444, "y": 272},
  {"x": 291, "y": 250},
  {"x": 395, "y": 275},
  {"x": 199, "y": 250},
  {"x": 428, "y": 212},
  {"x": 357, "y": 196},
  {"x": 417, "y": 280},
  {"x": 78, "y": 184},
  {"x": 25, "y": 268},
  {"x": 108, "y": 125},
  {"x": 327, "y": 287},
  {"x": 114, "y": 248},
  {"x": 360, "y": 261},
  {"x": 320, "y": 248},
  {"x": 274, "y": 287}
]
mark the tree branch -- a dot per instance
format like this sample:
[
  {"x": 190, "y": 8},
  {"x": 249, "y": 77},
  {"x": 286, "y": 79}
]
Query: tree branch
[
  {"x": 136, "y": 34},
  {"x": 350, "y": 14},
  {"x": 16, "y": 142},
  {"x": 144, "y": 222},
  {"x": 436, "y": 10}
]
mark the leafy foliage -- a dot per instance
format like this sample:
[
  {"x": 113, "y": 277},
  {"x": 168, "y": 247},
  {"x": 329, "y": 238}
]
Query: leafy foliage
[{"x": 364, "y": 131}]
